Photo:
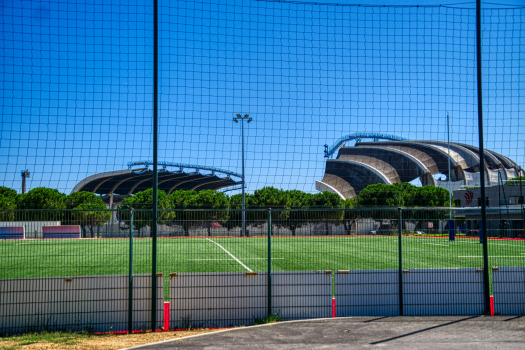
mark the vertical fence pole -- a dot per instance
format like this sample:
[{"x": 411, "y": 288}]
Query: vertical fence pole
[
  {"x": 486, "y": 287},
  {"x": 130, "y": 287},
  {"x": 269, "y": 262},
  {"x": 155, "y": 164},
  {"x": 400, "y": 255},
  {"x": 523, "y": 222}
]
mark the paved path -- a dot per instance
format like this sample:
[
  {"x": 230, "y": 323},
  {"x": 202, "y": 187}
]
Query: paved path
[{"x": 370, "y": 332}]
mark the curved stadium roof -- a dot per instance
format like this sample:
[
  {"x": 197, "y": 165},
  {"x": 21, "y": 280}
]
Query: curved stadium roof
[
  {"x": 129, "y": 181},
  {"x": 404, "y": 161}
]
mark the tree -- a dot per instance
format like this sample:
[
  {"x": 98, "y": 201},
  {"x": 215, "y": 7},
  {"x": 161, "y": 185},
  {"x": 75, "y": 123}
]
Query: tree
[
  {"x": 192, "y": 202},
  {"x": 350, "y": 216},
  {"x": 269, "y": 197},
  {"x": 292, "y": 206},
  {"x": 81, "y": 204},
  {"x": 328, "y": 202},
  {"x": 430, "y": 196},
  {"x": 144, "y": 202},
  {"x": 383, "y": 195},
  {"x": 7, "y": 204},
  {"x": 183, "y": 200},
  {"x": 7, "y": 192},
  {"x": 405, "y": 195},
  {"x": 216, "y": 204},
  {"x": 296, "y": 216},
  {"x": 402, "y": 194},
  {"x": 235, "y": 216},
  {"x": 42, "y": 198}
]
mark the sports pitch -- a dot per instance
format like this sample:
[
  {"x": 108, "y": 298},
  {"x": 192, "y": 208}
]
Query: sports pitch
[{"x": 64, "y": 257}]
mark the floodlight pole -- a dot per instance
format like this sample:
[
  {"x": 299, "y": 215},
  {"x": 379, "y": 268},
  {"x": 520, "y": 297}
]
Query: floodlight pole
[
  {"x": 243, "y": 197},
  {"x": 486, "y": 287},
  {"x": 25, "y": 174},
  {"x": 241, "y": 119}
]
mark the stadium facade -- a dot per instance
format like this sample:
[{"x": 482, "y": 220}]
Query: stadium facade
[{"x": 390, "y": 162}]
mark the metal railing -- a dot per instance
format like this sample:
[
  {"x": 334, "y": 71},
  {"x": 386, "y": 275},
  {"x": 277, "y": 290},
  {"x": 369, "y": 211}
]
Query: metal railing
[{"x": 92, "y": 269}]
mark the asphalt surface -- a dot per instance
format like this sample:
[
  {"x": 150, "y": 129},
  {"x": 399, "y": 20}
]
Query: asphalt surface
[{"x": 366, "y": 332}]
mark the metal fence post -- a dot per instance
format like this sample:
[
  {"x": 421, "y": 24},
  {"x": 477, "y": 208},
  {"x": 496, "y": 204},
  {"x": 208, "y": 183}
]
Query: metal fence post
[
  {"x": 130, "y": 287},
  {"x": 155, "y": 165},
  {"x": 400, "y": 255},
  {"x": 486, "y": 286},
  {"x": 269, "y": 262},
  {"x": 523, "y": 222}
]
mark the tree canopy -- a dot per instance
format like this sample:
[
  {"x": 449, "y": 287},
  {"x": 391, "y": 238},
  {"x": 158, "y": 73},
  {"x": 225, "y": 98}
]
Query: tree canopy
[
  {"x": 402, "y": 195},
  {"x": 144, "y": 200},
  {"x": 290, "y": 205},
  {"x": 7, "y": 192},
  {"x": 80, "y": 203},
  {"x": 7, "y": 203},
  {"x": 217, "y": 204},
  {"x": 42, "y": 198}
]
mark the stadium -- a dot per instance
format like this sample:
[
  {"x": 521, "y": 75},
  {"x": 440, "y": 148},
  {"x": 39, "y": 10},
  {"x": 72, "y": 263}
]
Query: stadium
[{"x": 399, "y": 160}]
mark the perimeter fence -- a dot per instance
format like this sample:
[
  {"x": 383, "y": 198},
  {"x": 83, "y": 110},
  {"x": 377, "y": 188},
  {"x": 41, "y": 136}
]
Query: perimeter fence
[
  {"x": 85, "y": 85},
  {"x": 67, "y": 270}
]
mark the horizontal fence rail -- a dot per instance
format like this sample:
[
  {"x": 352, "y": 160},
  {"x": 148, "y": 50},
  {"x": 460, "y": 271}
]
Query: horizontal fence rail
[{"x": 94, "y": 271}]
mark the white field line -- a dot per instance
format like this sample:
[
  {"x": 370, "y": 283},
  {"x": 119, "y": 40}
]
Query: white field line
[
  {"x": 444, "y": 245},
  {"x": 244, "y": 259},
  {"x": 230, "y": 254}
]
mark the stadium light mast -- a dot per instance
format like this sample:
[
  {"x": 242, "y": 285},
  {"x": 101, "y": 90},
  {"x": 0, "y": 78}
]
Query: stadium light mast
[
  {"x": 236, "y": 120},
  {"x": 25, "y": 174}
]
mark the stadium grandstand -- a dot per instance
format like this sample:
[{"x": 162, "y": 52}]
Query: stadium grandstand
[
  {"x": 132, "y": 180},
  {"x": 400, "y": 160}
]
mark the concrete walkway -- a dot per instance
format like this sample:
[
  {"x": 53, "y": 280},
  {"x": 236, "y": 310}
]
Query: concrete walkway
[{"x": 365, "y": 332}]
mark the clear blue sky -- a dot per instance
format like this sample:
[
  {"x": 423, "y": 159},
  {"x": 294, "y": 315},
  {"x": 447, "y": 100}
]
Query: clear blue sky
[{"x": 76, "y": 83}]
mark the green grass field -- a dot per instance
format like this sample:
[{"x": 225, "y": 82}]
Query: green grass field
[{"x": 51, "y": 258}]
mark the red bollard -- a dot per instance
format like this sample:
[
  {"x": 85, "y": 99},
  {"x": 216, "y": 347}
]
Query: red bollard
[{"x": 166, "y": 316}]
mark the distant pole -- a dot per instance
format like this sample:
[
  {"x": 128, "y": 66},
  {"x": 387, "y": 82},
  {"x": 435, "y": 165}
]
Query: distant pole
[
  {"x": 521, "y": 193},
  {"x": 25, "y": 174},
  {"x": 451, "y": 229},
  {"x": 486, "y": 287},
  {"x": 155, "y": 165},
  {"x": 449, "y": 189},
  {"x": 499, "y": 202}
]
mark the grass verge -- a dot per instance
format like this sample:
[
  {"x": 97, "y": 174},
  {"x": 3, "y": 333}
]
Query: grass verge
[
  {"x": 62, "y": 338},
  {"x": 273, "y": 318}
]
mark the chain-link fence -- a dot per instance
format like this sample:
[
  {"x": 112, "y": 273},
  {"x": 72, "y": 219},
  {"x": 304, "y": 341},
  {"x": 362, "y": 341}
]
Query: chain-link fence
[{"x": 63, "y": 270}]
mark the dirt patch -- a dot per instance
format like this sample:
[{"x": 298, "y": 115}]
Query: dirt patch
[{"x": 106, "y": 342}]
